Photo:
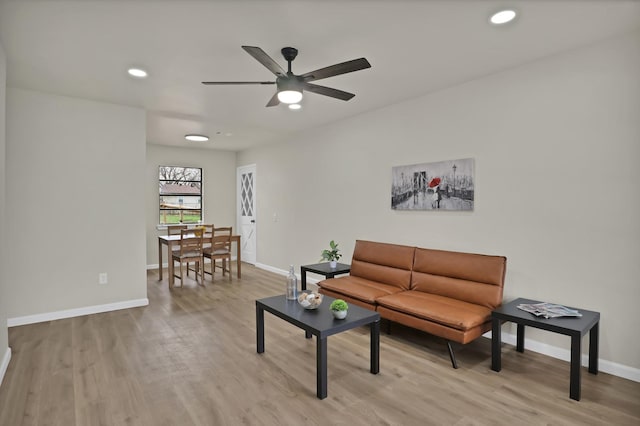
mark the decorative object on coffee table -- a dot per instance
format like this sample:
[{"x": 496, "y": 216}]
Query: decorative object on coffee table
[
  {"x": 339, "y": 308},
  {"x": 310, "y": 299},
  {"x": 332, "y": 254}
]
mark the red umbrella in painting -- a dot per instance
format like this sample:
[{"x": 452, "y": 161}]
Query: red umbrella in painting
[{"x": 434, "y": 182}]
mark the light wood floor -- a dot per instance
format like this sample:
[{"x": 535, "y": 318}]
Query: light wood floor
[{"x": 189, "y": 358}]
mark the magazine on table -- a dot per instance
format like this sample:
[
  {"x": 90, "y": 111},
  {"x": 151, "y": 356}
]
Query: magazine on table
[{"x": 549, "y": 310}]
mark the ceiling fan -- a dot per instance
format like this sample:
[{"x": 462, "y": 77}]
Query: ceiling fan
[{"x": 291, "y": 86}]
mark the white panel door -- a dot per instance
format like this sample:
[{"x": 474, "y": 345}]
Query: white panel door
[{"x": 246, "y": 180}]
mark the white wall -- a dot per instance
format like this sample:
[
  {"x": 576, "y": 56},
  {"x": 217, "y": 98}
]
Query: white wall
[
  {"x": 4, "y": 341},
  {"x": 556, "y": 145},
  {"x": 75, "y": 203},
  {"x": 219, "y": 188}
]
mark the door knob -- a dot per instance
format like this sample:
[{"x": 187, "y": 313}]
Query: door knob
[{"x": 253, "y": 221}]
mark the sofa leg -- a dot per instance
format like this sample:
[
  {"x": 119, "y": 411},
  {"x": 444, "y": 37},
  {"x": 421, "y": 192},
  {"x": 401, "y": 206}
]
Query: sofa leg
[{"x": 454, "y": 363}]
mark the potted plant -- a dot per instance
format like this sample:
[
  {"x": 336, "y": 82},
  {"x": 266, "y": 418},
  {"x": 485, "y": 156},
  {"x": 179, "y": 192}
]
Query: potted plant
[
  {"x": 332, "y": 254},
  {"x": 339, "y": 308}
]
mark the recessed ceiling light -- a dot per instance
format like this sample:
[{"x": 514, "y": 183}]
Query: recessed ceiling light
[
  {"x": 502, "y": 17},
  {"x": 137, "y": 72},
  {"x": 295, "y": 106},
  {"x": 196, "y": 138}
]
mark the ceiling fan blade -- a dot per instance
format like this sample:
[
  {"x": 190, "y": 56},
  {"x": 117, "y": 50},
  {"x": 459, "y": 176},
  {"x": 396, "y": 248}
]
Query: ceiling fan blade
[
  {"x": 265, "y": 60},
  {"x": 337, "y": 69},
  {"x": 327, "y": 91},
  {"x": 238, "y": 82},
  {"x": 274, "y": 100}
]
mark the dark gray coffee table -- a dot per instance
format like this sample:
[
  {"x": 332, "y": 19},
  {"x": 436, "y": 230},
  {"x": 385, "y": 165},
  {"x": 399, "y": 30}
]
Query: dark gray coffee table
[
  {"x": 576, "y": 328},
  {"x": 321, "y": 323}
]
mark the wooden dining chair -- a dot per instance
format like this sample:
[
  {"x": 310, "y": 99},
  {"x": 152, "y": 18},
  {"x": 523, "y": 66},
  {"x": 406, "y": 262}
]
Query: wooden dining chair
[
  {"x": 206, "y": 242},
  {"x": 208, "y": 233},
  {"x": 190, "y": 251},
  {"x": 220, "y": 250}
]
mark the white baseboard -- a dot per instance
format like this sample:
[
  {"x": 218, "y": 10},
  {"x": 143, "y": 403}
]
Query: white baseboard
[
  {"x": 155, "y": 266},
  {"x": 5, "y": 364},
  {"x": 271, "y": 269},
  {"x": 605, "y": 366},
  {"x": 70, "y": 313},
  {"x": 285, "y": 273}
]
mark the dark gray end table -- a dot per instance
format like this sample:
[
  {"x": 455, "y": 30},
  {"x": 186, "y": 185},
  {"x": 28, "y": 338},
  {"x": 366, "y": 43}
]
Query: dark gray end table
[
  {"x": 322, "y": 269},
  {"x": 321, "y": 323},
  {"x": 574, "y": 327}
]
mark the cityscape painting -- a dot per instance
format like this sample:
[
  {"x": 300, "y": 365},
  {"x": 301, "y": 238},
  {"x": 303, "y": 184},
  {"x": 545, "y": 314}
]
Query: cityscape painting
[{"x": 443, "y": 185}]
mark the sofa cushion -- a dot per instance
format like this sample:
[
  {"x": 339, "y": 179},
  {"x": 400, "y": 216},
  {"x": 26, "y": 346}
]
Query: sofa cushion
[
  {"x": 383, "y": 263},
  {"x": 473, "y": 278},
  {"x": 432, "y": 307},
  {"x": 358, "y": 288}
]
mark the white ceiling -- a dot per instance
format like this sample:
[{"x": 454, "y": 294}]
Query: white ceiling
[{"x": 83, "y": 49}]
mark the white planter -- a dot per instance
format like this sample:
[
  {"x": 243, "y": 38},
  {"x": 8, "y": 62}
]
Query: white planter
[
  {"x": 339, "y": 314},
  {"x": 333, "y": 264}
]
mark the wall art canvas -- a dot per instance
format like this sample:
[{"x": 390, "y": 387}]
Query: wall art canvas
[{"x": 443, "y": 185}]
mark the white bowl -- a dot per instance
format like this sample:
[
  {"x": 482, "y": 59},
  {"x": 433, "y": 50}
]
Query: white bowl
[{"x": 310, "y": 299}]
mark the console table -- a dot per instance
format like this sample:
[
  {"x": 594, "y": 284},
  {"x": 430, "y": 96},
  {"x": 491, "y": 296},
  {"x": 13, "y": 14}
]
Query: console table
[
  {"x": 322, "y": 269},
  {"x": 575, "y": 327}
]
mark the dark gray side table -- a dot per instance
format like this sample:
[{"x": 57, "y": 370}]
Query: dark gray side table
[
  {"x": 322, "y": 269},
  {"x": 574, "y": 327}
]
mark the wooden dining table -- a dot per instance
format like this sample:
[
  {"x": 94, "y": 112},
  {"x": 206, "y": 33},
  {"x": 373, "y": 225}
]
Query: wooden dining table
[{"x": 174, "y": 240}]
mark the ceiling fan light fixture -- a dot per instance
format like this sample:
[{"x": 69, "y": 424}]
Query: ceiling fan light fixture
[
  {"x": 196, "y": 138},
  {"x": 137, "y": 72},
  {"x": 502, "y": 17},
  {"x": 289, "y": 96}
]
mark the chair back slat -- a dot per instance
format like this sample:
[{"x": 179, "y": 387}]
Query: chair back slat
[
  {"x": 191, "y": 242},
  {"x": 175, "y": 229},
  {"x": 221, "y": 240}
]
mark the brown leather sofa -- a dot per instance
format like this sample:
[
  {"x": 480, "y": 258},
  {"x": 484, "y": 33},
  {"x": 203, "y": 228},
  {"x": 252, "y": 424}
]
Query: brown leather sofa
[{"x": 444, "y": 293}]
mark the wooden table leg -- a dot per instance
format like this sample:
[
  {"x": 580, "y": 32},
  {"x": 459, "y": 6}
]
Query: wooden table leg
[
  {"x": 159, "y": 259},
  {"x": 170, "y": 270},
  {"x": 238, "y": 259}
]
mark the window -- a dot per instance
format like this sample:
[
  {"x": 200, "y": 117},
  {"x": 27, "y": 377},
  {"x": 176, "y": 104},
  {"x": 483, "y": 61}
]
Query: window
[{"x": 180, "y": 194}]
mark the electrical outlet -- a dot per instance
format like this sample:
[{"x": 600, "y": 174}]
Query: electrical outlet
[{"x": 102, "y": 278}]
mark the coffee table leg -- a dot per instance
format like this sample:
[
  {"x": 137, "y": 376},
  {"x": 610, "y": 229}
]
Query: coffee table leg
[
  {"x": 303, "y": 278},
  {"x": 593, "y": 349},
  {"x": 496, "y": 341},
  {"x": 321, "y": 367},
  {"x": 574, "y": 386},
  {"x": 259, "y": 329},
  {"x": 375, "y": 347},
  {"x": 520, "y": 338}
]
